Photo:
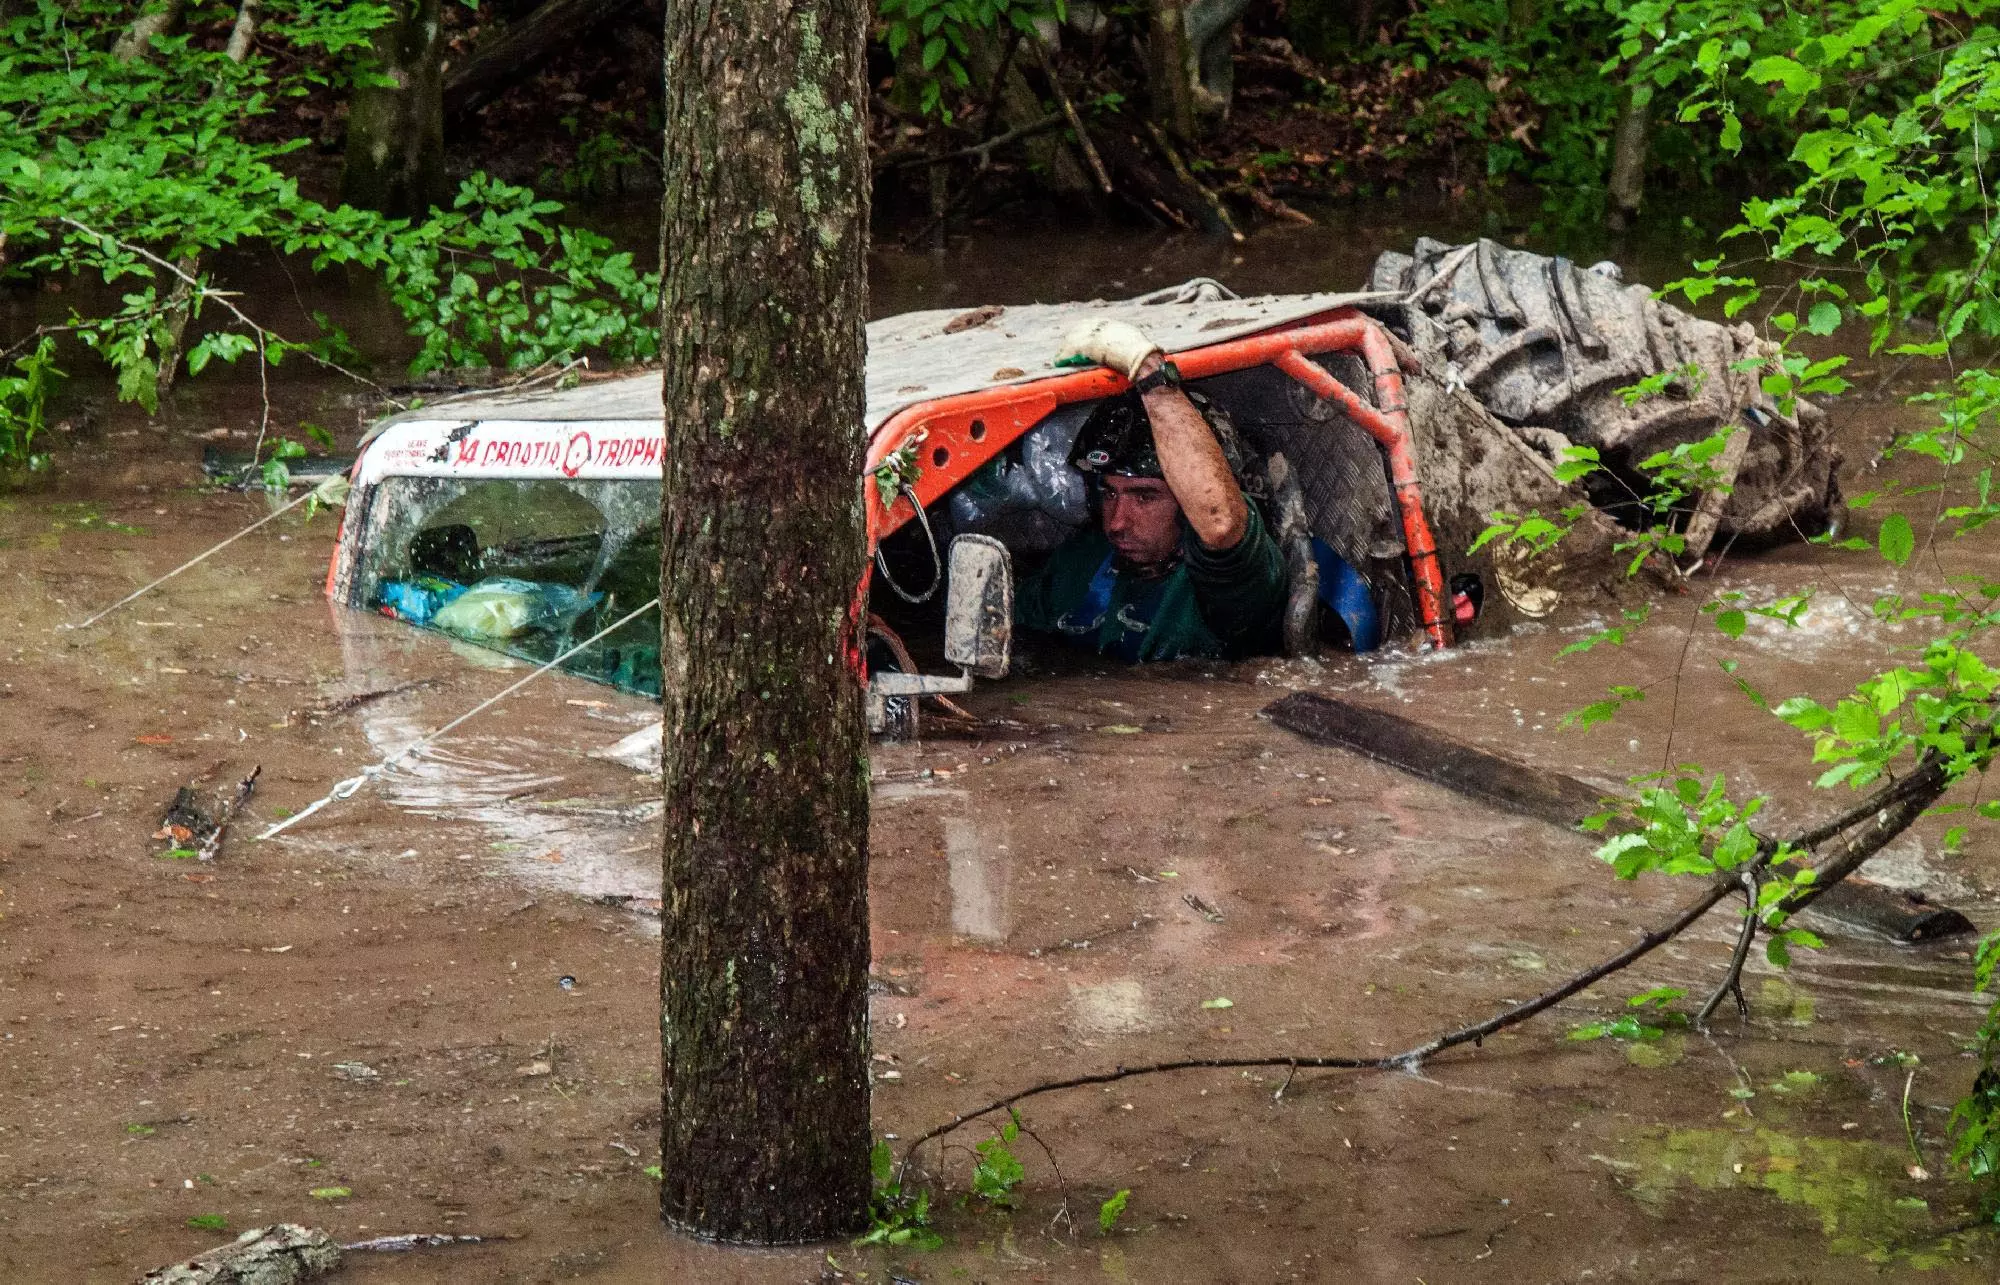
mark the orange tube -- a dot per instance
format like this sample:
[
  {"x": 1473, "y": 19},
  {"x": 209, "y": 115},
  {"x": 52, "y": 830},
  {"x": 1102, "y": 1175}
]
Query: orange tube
[
  {"x": 961, "y": 433},
  {"x": 1389, "y": 425}
]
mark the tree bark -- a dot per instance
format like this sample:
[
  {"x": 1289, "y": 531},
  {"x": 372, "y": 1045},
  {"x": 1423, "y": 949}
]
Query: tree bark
[
  {"x": 283, "y": 1254},
  {"x": 395, "y": 132},
  {"x": 764, "y": 941},
  {"x": 172, "y": 335},
  {"x": 520, "y": 47},
  {"x": 245, "y": 31},
  {"x": 1018, "y": 106},
  {"x": 1170, "y": 70},
  {"x": 157, "y": 19},
  {"x": 1211, "y": 28},
  {"x": 1628, "y": 156}
]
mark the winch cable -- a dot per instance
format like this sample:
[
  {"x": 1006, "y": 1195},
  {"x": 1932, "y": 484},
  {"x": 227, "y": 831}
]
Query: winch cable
[
  {"x": 348, "y": 788},
  {"x": 326, "y": 492},
  {"x": 937, "y": 563}
]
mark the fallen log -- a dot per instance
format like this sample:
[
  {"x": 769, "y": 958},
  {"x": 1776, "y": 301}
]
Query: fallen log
[
  {"x": 227, "y": 812},
  {"x": 1564, "y": 801},
  {"x": 279, "y": 1255}
]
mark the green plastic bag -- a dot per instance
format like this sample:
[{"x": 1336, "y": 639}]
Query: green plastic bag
[{"x": 500, "y": 608}]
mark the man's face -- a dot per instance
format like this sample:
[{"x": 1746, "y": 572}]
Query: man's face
[{"x": 1141, "y": 519}]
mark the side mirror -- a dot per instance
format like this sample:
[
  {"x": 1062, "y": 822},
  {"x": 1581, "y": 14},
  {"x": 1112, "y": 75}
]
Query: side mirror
[{"x": 979, "y": 606}]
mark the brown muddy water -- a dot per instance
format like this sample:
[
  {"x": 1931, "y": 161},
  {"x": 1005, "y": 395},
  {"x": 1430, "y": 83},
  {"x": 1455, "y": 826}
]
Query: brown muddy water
[{"x": 372, "y": 1002}]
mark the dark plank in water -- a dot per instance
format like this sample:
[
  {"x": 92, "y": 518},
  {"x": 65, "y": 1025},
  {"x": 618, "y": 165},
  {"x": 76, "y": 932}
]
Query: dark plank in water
[
  {"x": 1411, "y": 747},
  {"x": 1560, "y": 800}
]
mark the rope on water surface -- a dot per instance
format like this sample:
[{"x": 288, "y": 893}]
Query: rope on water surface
[
  {"x": 348, "y": 788},
  {"x": 324, "y": 492}
]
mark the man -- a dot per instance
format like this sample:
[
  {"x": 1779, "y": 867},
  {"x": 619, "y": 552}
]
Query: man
[{"x": 1180, "y": 564}]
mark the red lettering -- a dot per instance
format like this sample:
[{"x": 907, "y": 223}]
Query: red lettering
[{"x": 577, "y": 454}]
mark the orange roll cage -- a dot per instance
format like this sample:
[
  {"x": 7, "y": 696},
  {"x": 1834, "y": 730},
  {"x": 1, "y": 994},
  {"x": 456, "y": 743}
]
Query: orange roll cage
[{"x": 956, "y": 436}]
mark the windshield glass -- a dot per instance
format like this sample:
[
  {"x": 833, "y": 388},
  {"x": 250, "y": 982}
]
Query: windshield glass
[{"x": 525, "y": 568}]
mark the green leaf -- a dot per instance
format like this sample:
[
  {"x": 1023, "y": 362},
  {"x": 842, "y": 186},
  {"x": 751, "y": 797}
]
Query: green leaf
[
  {"x": 1896, "y": 540},
  {"x": 1731, "y": 140},
  {"x": 330, "y": 1193},
  {"x": 1108, "y": 1212},
  {"x": 1623, "y": 1028},
  {"x": 1731, "y": 622},
  {"x": 1824, "y": 318},
  {"x": 208, "y": 1222},
  {"x": 1777, "y": 69},
  {"x": 1805, "y": 714}
]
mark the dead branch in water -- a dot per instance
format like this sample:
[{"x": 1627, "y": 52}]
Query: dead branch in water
[
  {"x": 1891, "y": 809},
  {"x": 228, "y": 812},
  {"x": 981, "y": 151}
]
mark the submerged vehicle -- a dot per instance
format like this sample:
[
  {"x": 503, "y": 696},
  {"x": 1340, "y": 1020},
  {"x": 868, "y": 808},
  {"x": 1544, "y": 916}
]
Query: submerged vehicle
[{"x": 527, "y": 521}]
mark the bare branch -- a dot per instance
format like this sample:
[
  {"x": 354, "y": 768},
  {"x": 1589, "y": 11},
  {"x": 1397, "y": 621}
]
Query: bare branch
[
  {"x": 1894, "y": 806},
  {"x": 1732, "y": 980},
  {"x": 223, "y": 297}
]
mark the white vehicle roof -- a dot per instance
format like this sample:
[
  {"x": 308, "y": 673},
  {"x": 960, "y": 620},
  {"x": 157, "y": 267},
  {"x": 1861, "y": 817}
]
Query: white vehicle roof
[{"x": 612, "y": 428}]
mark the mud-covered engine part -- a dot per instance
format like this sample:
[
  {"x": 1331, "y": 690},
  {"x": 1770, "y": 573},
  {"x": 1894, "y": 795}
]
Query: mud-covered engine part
[{"x": 1546, "y": 345}]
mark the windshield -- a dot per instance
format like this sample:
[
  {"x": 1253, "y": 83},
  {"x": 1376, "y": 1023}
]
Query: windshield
[{"x": 525, "y": 568}]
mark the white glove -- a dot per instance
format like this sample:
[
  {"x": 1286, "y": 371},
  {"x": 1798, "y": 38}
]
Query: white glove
[{"x": 1117, "y": 344}]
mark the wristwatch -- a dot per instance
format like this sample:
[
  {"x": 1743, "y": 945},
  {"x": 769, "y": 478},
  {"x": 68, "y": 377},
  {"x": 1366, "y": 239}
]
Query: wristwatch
[{"x": 1167, "y": 375}]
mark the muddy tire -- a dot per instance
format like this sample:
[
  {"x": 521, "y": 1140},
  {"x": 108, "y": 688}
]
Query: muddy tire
[{"x": 1547, "y": 346}]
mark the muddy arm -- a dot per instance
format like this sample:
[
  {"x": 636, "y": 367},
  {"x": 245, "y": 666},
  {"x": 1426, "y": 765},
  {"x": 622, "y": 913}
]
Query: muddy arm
[{"x": 1195, "y": 467}]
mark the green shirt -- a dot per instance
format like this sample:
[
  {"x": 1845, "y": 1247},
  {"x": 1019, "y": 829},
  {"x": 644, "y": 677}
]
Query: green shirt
[{"x": 1214, "y": 603}]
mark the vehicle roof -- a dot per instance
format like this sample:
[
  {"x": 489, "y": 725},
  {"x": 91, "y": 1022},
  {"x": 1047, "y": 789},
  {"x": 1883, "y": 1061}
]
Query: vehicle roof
[
  {"x": 599, "y": 427},
  {"x": 918, "y": 356}
]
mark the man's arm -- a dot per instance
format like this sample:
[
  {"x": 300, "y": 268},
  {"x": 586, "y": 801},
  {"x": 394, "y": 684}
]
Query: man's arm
[
  {"x": 1197, "y": 472},
  {"x": 1195, "y": 468}
]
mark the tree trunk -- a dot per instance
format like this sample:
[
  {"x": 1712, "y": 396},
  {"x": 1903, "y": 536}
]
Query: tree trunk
[
  {"x": 395, "y": 132},
  {"x": 1628, "y": 156},
  {"x": 1018, "y": 106},
  {"x": 1211, "y": 28},
  {"x": 172, "y": 334},
  {"x": 764, "y": 943},
  {"x": 520, "y": 47},
  {"x": 1170, "y": 70},
  {"x": 157, "y": 19},
  {"x": 244, "y": 33}
]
